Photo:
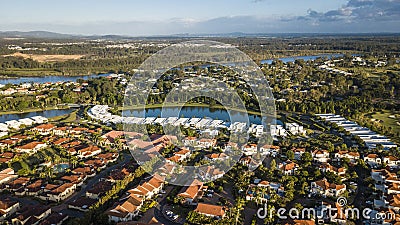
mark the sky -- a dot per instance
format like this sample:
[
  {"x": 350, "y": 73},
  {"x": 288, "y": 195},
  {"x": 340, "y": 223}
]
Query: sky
[{"x": 164, "y": 17}]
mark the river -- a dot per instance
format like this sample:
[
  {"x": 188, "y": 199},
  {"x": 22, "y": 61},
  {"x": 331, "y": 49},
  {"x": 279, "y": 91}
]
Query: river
[
  {"x": 305, "y": 58},
  {"x": 46, "y": 113},
  {"x": 46, "y": 79},
  {"x": 195, "y": 111}
]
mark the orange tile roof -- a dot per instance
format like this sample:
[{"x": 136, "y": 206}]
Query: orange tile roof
[
  {"x": 44, "y": 127},
  {"x": 209, "y": 209},
  {"x": 192, "y": 190}
]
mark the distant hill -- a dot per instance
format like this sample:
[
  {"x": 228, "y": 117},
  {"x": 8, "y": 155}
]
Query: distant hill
[
  {"x": 54, "y": 35},
  {"x": 35, "y": 34}
]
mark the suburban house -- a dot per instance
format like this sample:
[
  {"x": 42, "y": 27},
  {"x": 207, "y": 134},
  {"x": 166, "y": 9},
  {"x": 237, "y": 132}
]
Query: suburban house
[
  {"x": 148, "y": 189},
  {"x": 55, "y": 219},
  {"x": 392, "y": 161},
  {"x": 7, "y": 175},
  {"x": 288, "y": 167},
  {"x": 206, "y": 143},
  {"x": 31, "y": 147},
  {"x": 326, "y": 167},
  {"x": 298, "y": 152},
  {"x": 249, "y": 149},
  {"x": 183, "y": 153},
  {"x": 215, "y": 211},
  {"x": 210, "y": 172},
  {"x": 373, "y": 160},
  {"x": 272, "y": 150},
  {"x": 192, "y": 192},
  {"x": 43, "y": 129},
  {"x": 110, "y": 137},
  {"x": 323, "y": 187},
  {"x": 230, "y": 146},
  {"x": 126, "y": 211},
  {"x": 189, "y": 141},
  {"x": 320, "y": 156},
  {"x": 57, "y": 193},
  {"x": 216, "y": 156},
  {"x": 99, "y": 189},
  {"x": 7, "y": 208},
  {"x": 353, "y": 156},
  {"x": 89, "y": 151},
  {"x": 32, "y": 214}
]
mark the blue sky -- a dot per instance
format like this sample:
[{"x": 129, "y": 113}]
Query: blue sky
[{"x": 157, "y": 17}]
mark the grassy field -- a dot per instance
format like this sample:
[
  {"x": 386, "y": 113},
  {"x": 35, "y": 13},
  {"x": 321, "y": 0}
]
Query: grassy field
[
  {"x": 68, "y": 118},
  {"x": 387, "y": 121}
]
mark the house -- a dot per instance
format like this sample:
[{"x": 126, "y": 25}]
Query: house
[
  {"x": 60, "y": 131},
  {"x": 288, "y": 167},
  {"x": 174, "y": 159},
  {"x": 189, "y": 141},
  {"x": 31, "y": 147},
  {"x": 373, "y": 160},
  {"x": 148, "y": 189},
  {"x": 78, "y": 130},
  {"x": 110, "y": 137},
  {"x": 61, "y": 192},
  {"x": 75, "y": 179},
  {"x": 7, "y": 175},
  {"x": 392, "y": 161},
  {"x": 216, "y": 156},
  {"x": 298, "y": 152},
  {"x": 55, "y": 219},
  {"x": 183, "y": 153},
  {"x": 125, "y": 211},
  {"x": 326, "y": 167},
  {"x": 353, "y": 156},
  {"x": 43, "y": 129},
  {"x": 249, "y": 149},
  {"x": 320, "y": 156},
  {"x": 87, "y": 171},
  {"x": 192, "y": 192},
  {"x": 206, "y": 143},
  {"x": 323, "y": 187},
  {"x": 215, "y": 211},
  {"x": 394, "y": 202},
  {"x": 7, "y": 208},
  {"x": 118, "y": 174},
  {"x": 32, "y": 214},
  {"x": 89, "y": 151},
  {"x": 82, "y": 204},
  {"x": 230, "y": 146},
  {"x": 109, "y": 157},
  {"x": 99, "y": 189},
  {"x": 17, "y": 184},
  {"x": 210, "y": 172},
  {"x": 271, "y": 150}
]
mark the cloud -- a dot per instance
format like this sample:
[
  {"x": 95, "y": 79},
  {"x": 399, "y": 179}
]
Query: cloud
[{"x": 359, "y": 10}]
